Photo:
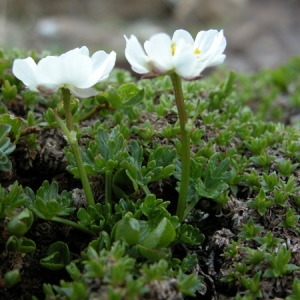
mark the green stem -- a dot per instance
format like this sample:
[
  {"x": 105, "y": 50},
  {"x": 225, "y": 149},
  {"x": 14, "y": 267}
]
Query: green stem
[
  {"x": 82, "y": 173},
  {"x": 185, "y": 147},
  {"x": 72, "y": 140},
  {"x": 108, "y": 185},
  {"x": 66, "y": 96},
  {"x": 145, "y": 189},
  {"x": 73, "y": 224}
]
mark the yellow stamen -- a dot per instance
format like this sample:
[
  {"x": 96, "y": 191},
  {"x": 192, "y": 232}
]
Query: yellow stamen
[
  {"x": 173, "y": 48},
  {"x": 197, "y": 51}
]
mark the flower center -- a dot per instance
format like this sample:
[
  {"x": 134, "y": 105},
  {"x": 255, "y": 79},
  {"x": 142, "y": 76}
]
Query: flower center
[
  {"x": 197, "y": 51},
  {"x": 173, "y": 48}
]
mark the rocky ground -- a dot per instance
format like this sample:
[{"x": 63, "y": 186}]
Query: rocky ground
[{"x": 260, "y": 34}]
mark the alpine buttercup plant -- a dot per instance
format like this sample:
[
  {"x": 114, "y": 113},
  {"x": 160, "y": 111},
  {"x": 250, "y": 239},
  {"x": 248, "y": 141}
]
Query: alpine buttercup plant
[
  {"x": 73, "y": 72},
  {"x": 179, "y": 57}
]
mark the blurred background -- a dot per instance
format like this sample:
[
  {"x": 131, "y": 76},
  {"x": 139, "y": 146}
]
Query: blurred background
[{"x": 260, "y": 33}]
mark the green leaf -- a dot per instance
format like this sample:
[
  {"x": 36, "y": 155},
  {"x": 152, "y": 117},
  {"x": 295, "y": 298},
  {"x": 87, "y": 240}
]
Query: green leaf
[
  {"x": 6, "y": 148},
  {"x": 159, "y": 237},
  {"x": 127, "y": 95},
  {"x": 154, "y": 254},
  {"x": 130, "y": 94},
  {"x": 20, "y": 223},
  {"x": 189, "y": 284},
  {"x": 189, "y": 262},
  {"x": 22, "y": 244},
  {"x": 189, "y": 234},
  {"x": 212, "y": 177},
  {"x": 15, "y": 123},
  {"x": 296, "y": 290},
  {"x": 127, "y": 228},
  {"x": 11, "y": 278},
  {"x": 111, "y": 146},
  {"x": 58, "y": 257},
  {"x": 48, "y": 203},
  {"x": 9, "y": 91},
  {"x": 12, "y": 199}
]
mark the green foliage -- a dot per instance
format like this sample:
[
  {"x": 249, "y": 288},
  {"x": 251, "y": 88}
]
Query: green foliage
[
  {"x": 250, "y": 230},
  {"x": 47, "y": 203},
  {"x": 159, "y": 165},
  {"x": 15, "y": 123},
  {"x": 260, "y": 202},
  {"x": 22, "y": 244},
  {"x": 9, "y": 91},
  {"x": 116, "y": 276},
  {"x": 268, "y": 242},
  {"x": 128, "y": 228},
  {"x": 10, "y": 200},
  {"x": 253, "y": 285},
  {"x": 126, "y": 95},
  {"x": 244, "y": 165},
  {"x": 210, "y": 181},
  {"x": 11, "y": 278},
  {"x": 151, "y": 236},
  {"x": 58, "y": 256},
  {"x": 190, "y": 235},
  {"x": 279, "y": 263},
  {"x": 20, "y": 223},
  {"x": 296, "y": 290},
  {"x": 6, "y": 147},
  {"x": 291, "y": 219}
]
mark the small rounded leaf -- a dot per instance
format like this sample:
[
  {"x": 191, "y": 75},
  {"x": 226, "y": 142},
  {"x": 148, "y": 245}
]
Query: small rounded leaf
[
  {"x": 127, "y": 229},
  {"x": 163, "y": 234},
  {"x": 20, "y": 223},
  {"x": 11, "y": 278}
]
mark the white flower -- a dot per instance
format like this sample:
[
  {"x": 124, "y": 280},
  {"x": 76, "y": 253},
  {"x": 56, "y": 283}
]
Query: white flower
[
  {"x": 181, "y": 54},
  {"x": 74, "y": 70}
]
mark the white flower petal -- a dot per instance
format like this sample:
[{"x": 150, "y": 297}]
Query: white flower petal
[
  {"x": 136, "y": 56},
  {"x": 77, "y": 70},
  {"x": 159, "y": 50},
  {"x": 182, "y": 35},
  {"x": 181, "y": 54},
  {"x": 25, "y": 70},
  {"x": 102, "y": 64},
  {"x": 185, "y": 61},
  {"x": 204, "y": 40},
  {"x": 50, "y": 71},
  {"x": 74, "y": 70},
  {"x": 48, "y": 88},
  {"x": 211, "y": 44},
  {"x": 84, "y": 50},
  {"x": 83, "y": 93}
]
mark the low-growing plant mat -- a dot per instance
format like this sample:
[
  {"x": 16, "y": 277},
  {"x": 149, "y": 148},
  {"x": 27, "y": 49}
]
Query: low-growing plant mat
[{"x": 240, "y": 239}]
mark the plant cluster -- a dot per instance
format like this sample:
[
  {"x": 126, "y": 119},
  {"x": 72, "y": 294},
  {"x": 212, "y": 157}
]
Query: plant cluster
[{"x": 89, "y": 190}]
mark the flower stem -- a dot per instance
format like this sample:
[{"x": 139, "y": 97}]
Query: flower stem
[
  {"x": 72, "y": 140},
  {"x": 74, "y": 225},
  {"x": 185, "y": 147},
  {"x": 82, "y": 173},
  {"x": 66, "y": 96}
]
